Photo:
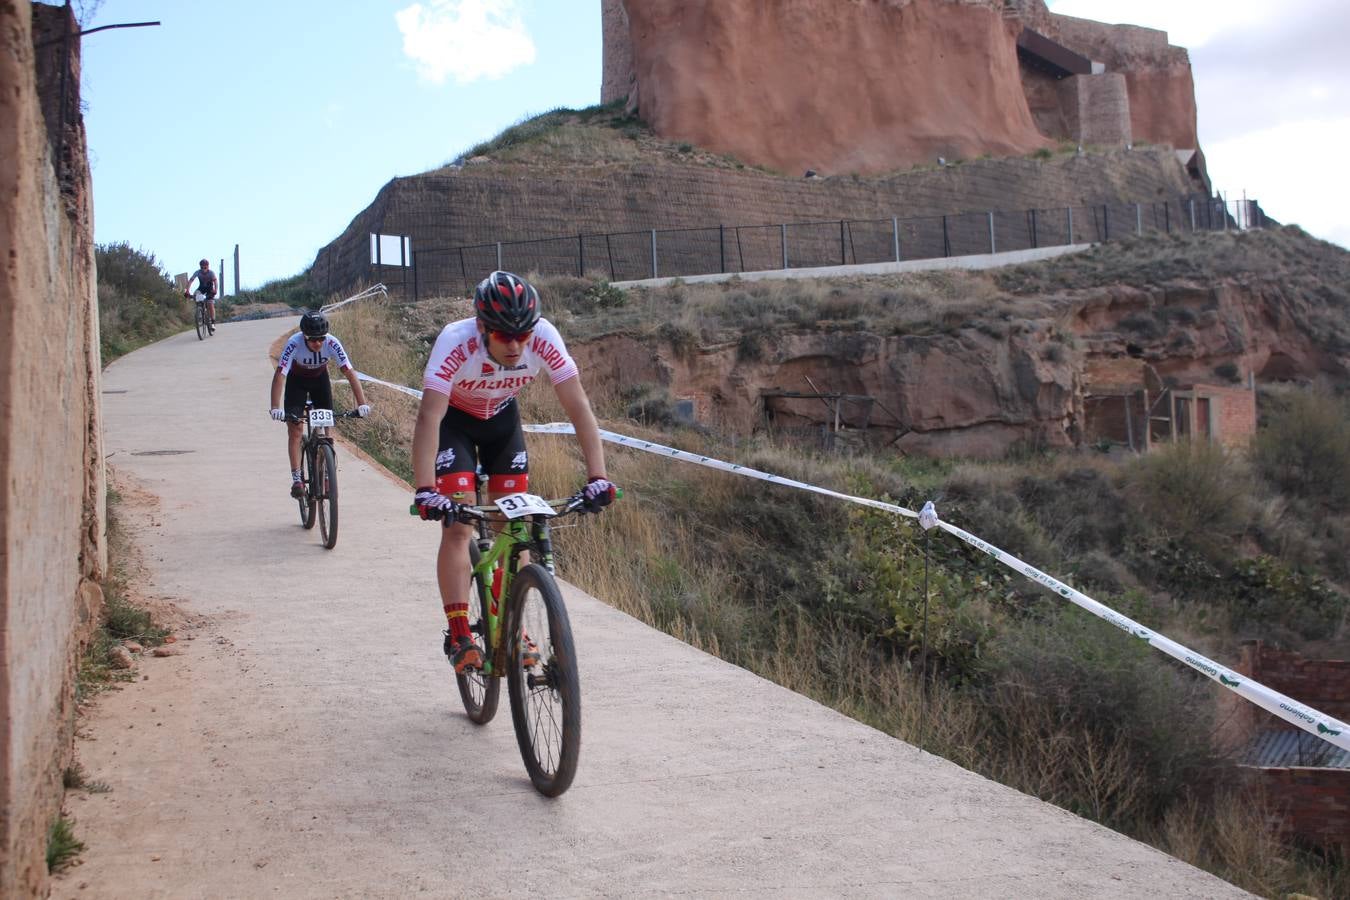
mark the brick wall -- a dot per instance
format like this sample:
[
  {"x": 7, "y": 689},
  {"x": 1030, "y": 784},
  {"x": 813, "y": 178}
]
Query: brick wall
[
  {"x": 1312, "y": 805},
  {"x": 1097, "y": 108},
  {"x": 1234, "y": 414},
  {"x": 51, "y": 495}
]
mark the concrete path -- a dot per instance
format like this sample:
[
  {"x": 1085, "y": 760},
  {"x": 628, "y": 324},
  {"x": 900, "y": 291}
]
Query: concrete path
[{"x": 308, "y": 742}]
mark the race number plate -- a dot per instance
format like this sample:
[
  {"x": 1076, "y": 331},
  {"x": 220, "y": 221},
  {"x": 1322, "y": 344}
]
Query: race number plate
[
  {"x": 513, "y": 506},
  {"x": 320, "y": 418}
]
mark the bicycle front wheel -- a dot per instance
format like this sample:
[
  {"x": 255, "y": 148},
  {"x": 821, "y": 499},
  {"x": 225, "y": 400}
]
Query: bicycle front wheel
[
  {"x": 201, "y": 323},
  {"x": 542, "y": 676},
  {"x": 326, "y": 494},
  {"x": 479, "y": 692},
  {"x": 306, "y": 498}
]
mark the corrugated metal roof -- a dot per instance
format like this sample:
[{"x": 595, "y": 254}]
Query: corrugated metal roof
[{"x": 1281, "y": 748}]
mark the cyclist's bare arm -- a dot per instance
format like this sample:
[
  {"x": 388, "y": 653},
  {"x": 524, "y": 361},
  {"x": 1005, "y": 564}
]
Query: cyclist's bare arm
[
  {"x": 278, "y": 382},
  {"x": 573, "y": 398},
  {"x": 426, "y": 437},
  {"x": 356, "y": 385}
]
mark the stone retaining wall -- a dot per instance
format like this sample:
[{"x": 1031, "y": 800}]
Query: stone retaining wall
[{"x": 52, "y": 552}]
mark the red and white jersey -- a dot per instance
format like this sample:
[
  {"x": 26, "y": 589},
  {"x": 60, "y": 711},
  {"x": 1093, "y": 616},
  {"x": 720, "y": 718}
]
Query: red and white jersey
[
  {"x": 461, "y": 368},
  {"x": 305, "y": 361}
]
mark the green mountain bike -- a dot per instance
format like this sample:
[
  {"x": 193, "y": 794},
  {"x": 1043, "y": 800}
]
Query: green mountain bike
[{"x": 527, "y": 639}]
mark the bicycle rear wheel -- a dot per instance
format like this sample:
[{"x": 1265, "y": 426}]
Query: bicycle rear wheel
[
  {"x": 326, "y": 494},
  {"x": 479, "y": 691},
  {"x": 306, "y": 498},
  {"x": 201, "y": 323},
  {"x": 545, "y": 695}
]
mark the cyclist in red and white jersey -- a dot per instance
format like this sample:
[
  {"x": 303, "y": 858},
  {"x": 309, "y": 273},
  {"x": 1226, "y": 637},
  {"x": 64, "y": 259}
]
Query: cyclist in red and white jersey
[
  {"x": 469, "y": 419},
  {"x": 302, "y": 371}
]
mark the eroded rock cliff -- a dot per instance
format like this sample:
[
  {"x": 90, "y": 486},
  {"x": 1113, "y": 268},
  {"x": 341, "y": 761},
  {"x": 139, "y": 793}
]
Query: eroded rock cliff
[
  {"x": 837, "y": 87},
  {"x": 1022, "y": 372}
]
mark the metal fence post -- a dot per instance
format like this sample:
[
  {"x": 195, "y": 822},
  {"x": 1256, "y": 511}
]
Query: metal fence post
[
  {"x": 992, "y": 247},
  {"x": 895, "y": 235},
  {"x": 1035, "y": 233},
  {"x": 1167, "y": 216},
  {"x": 1106, "y": 222},
  {"x": 581, "y": 256},
  {"x": 722, "y": 248},
  {"x": 1190, "y": 202},
  {"x": 946, "y": 239},
  {"x": 609, "y": 251},
  {"x": 653, "y": 252},
  {"x": 1139, "y": 218},
  {"x": 783, "y": 240},
  {"x": 843, "y": 253},
  {"x": 499, "y": 256},
  {"x": 1070, "y": 225}
]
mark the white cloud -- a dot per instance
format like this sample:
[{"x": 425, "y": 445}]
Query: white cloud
[
  {"x": 1267, "y": 80},
  {"x": 1278, "y": 166},
  {"x": 464, "y": 39}
]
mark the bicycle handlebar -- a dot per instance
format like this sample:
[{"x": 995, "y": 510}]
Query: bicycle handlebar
[
  {"x": 469, "y": 513},
  {"x": 350, "y": 414}
]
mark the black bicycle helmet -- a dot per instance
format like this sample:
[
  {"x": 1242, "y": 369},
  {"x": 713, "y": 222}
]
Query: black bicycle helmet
[
  {"x": 314, "y": 324},
  {"x": 506, "y": 302}
]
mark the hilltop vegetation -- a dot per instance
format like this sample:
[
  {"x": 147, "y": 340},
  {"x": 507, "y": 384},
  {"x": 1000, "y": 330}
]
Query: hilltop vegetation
[{"x": 1207, "y": 546}]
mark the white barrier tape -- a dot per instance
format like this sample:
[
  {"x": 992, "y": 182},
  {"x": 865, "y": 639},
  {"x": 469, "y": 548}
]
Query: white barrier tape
[
  {"x": 389, "y": 384},
  {"x": 696, "y": 459},
  {"x": 1331, "y": 730},
  {"x": 377, "y": 290}
]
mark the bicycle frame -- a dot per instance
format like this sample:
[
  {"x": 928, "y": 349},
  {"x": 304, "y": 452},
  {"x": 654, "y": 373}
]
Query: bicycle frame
[{"x": 515, "y": 537}]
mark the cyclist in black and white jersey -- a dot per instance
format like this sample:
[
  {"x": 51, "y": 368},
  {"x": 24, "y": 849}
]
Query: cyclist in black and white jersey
[
  {"x": 206, "y": 291},
  {"x": 302, "y": 371}
]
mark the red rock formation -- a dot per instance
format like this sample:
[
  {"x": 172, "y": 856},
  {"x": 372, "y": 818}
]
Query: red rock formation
[
  {"x": 1162, "y": 92},
  {"x": 835, "y": 87}
]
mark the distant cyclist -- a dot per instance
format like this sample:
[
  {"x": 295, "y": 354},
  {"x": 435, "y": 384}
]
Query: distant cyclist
[
  {"x": 469, "y": 418},
  {"x": 206, "y": 291},
  {"x": 303, "y": 372}
]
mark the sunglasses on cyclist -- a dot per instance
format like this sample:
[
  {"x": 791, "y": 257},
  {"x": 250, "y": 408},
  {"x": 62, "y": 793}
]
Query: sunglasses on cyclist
[{"x": 507, "y": 337}]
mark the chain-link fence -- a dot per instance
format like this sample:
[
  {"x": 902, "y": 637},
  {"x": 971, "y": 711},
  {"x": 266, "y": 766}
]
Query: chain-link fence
[{"x": 659, "y": 253}]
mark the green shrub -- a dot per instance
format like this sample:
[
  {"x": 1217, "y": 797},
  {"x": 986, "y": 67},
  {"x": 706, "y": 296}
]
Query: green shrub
[
  {"x": 1069, "y": 685},
  {"x": 1304, "y": 449},
  {"x": 137, "y": 301},
  {"x": 1194, "y": 491}
]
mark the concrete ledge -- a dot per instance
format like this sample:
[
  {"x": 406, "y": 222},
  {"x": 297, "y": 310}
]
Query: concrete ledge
[{"x": 979, "y": 261}]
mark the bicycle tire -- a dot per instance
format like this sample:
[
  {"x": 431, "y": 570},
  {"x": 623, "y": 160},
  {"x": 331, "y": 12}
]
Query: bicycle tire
[
  {"x": 201, "y": 323},
  {"x": 326, "y": 495},
  {"x": 478, "y": 691},
  {"x": 545, "y": 700},
  {"x": 306, "y": 499}
]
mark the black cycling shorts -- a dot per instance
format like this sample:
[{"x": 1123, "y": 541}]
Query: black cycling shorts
[
  {"x": 316, "y": 387},
  {"x": 495, "y": 445}
]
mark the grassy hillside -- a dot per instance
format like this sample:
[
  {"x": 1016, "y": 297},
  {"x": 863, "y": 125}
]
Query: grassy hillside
[{"x": 1207, "y": 546}]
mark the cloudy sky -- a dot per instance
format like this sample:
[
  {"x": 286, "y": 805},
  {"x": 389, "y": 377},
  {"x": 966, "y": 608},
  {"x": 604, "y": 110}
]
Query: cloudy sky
[
  {"x": 271, "y": 125},
  {"x": 1272, "y": 84}
]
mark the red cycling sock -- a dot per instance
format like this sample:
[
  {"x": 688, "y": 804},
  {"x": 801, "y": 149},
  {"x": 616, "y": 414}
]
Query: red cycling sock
[{"x": 458, "y": 616}]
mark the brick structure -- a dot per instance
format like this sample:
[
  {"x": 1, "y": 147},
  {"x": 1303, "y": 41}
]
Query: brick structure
[{"x": 1313, "y": 804}]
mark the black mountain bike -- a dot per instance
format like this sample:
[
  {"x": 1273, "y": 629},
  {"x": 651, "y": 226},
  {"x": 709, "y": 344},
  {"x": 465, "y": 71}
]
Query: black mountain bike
[
  {"x": 318, "y": 468},
  {"x": 205, "y": 325}
]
